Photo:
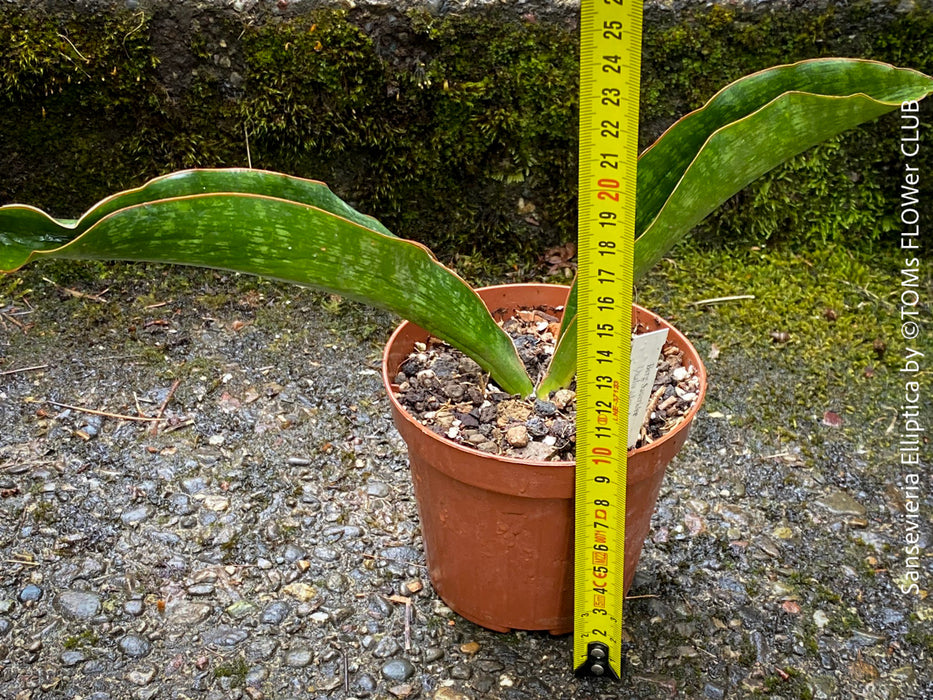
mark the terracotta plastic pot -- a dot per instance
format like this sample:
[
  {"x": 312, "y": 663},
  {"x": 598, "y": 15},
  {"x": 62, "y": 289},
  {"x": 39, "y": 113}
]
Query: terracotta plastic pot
[{"x": 498, "y": 531}]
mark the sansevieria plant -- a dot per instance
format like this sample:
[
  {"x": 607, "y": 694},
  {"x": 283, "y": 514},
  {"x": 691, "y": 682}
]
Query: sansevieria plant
[{"x": 297, "y": 230}]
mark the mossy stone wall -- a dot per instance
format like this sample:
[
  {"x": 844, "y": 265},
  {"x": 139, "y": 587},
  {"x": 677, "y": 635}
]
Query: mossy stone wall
[{"x": 457, "y": 129}]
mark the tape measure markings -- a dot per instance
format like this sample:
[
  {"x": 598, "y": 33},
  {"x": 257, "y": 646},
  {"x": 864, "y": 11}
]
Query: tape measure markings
[{"x": 610, "y": 53}]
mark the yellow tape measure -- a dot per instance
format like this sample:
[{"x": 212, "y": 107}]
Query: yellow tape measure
[{"x": 610, "y": 62}]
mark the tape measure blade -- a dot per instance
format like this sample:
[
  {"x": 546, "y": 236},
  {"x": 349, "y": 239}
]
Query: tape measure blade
[{"x": 609, "y": 74}]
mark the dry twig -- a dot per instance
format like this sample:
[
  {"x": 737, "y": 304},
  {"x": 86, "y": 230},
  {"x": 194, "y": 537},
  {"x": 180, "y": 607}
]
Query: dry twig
[
  {"x": 178, "y": 426},
  {"x": 25, "y": 562},
  {"x": 720, "y": 300},
  {"x": 105, "y": 414},
  {"x": 22, "y": 369},
  {"x": 168, "y": 397},
  {"x": 80, "y": 295},
  {"x": 18, "y": 324}
]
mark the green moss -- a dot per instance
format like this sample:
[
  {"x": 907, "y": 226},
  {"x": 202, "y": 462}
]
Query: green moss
[
  {"x": 792, "y": 684},
  {"x": 452, "y": 134},
  {"x": 439, "y": 133},
  {"x": 844, "y": 621},
  {"x": 68, "y": 87},
  {"x": 920, "y": 637},
  {"x": 214, "y": 301},
  {"x": 83, "y": 640},
  {"x": 835, "y": 306},
  {"x": 746, "y": 649},
  {"x": 289, "y": 532},
  {"x": 236, "y": 669},
  {"x": 44, "y": 512}
]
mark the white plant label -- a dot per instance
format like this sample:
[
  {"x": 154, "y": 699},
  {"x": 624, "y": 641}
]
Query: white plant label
[{"x": 646, "y": 349}]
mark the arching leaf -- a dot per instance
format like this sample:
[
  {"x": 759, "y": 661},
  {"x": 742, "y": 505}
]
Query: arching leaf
[
  {"x": 280, "y": 227},
  {"x": 750, "y": 127}
]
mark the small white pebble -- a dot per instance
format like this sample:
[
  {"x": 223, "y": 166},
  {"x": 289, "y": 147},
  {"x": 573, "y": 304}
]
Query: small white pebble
[
  {"x": 517, "y": 436},
  {"x": 218, "y": 504},
  {"x": 562, "y": 397}
]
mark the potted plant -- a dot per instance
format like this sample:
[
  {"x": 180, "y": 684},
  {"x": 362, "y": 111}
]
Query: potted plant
[{"x": 297, "y": 230}]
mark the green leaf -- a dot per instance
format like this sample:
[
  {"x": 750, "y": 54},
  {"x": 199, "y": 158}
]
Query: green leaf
[
  {"x": 747, "y": 129},
  {"x": 563, "y": 365},
  {"x": 570, "y": 310},
  {"x": 280, "y": 227}
]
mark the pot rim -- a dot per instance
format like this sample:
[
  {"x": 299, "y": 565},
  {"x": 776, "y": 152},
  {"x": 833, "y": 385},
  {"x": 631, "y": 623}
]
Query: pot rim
[{"x": 684, "y": 424}]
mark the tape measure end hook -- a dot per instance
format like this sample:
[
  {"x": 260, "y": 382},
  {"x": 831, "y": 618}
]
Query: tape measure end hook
[{"x": 597, "y": 664}]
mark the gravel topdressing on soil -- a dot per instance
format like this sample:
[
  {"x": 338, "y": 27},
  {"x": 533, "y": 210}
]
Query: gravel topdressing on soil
[{"x": 450, "y": 394}]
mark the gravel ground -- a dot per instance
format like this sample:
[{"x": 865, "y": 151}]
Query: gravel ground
[{"x": 264, "y": 542}]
